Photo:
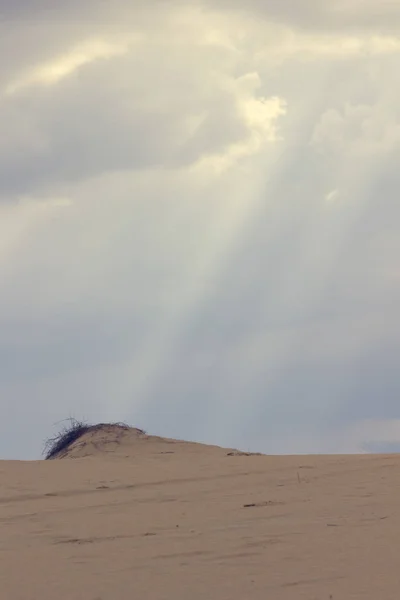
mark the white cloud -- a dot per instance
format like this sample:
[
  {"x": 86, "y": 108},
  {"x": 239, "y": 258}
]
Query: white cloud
[
  {"x": 332, "y": 196},
  {"x": 55, "y": 70},
  {"x": 365, "y": 435},
  {"x": 306, "y": 47},
  {"x": 260, "y": 116},
  {"x": 358, "y": 130},
  {"x": 148, "y": 114}
]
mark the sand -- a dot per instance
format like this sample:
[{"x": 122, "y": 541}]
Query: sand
[{"x": 132, "y": 516}]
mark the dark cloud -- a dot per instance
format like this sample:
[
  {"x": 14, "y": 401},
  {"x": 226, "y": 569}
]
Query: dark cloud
[
  {"x": 105, "y": 118},
  {"x": 347, "y": 15},
  {"x": 311, "y": 14}
]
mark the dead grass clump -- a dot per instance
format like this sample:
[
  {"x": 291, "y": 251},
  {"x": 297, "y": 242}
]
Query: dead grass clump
[
  {"x": 69, "y": 433},
  {"x": 74, "y": 430}
]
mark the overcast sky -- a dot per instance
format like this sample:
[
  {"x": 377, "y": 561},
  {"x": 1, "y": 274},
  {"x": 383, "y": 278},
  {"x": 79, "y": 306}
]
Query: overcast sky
[{"x": 200, "y": 221}]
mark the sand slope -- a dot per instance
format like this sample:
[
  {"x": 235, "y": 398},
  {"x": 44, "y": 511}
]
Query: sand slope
[{"x": 145, "y": 517}]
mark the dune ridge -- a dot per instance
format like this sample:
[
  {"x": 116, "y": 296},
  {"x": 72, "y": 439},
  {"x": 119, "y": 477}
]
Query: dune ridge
[
  {"x": 118, "y": 440},
  {"x": 79, "y": 439}
]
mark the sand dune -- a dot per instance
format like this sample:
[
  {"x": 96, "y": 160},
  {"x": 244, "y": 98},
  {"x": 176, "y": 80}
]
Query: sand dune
[{"x": 124, "y": 515}]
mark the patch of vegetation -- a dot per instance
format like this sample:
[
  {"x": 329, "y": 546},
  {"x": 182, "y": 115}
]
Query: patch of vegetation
[
  {"x": 69, "y": 433},
  {"x": 72, "y": 431}
]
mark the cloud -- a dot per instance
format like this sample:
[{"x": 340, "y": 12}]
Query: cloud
[
  {"x": 312, "y": 15},
  {"x": 373, "y": 435},
  {"x": 332, "y": 196},
  {"x": 359, "y": 131},
  {"x": 161, "y": 118},
  {"x": 52, "y": 72},
  {"x": 199, "y": 221}
]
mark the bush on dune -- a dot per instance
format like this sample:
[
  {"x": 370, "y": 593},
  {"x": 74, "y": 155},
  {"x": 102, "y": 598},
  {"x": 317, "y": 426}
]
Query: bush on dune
[
  {"x": 69, "y": 433},
  {"x": 72, "y": 431}
]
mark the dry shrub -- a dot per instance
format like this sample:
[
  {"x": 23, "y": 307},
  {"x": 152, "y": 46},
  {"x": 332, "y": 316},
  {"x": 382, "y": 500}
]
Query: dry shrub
[{"x": 72, "y": 431}]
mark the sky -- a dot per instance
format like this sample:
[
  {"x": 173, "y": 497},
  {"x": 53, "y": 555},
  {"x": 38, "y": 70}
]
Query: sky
[{"x": 200, "y": 221}]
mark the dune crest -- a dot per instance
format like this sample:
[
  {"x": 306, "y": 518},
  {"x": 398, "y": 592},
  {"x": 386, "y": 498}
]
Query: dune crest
[{"x": 79, "y": 440}]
